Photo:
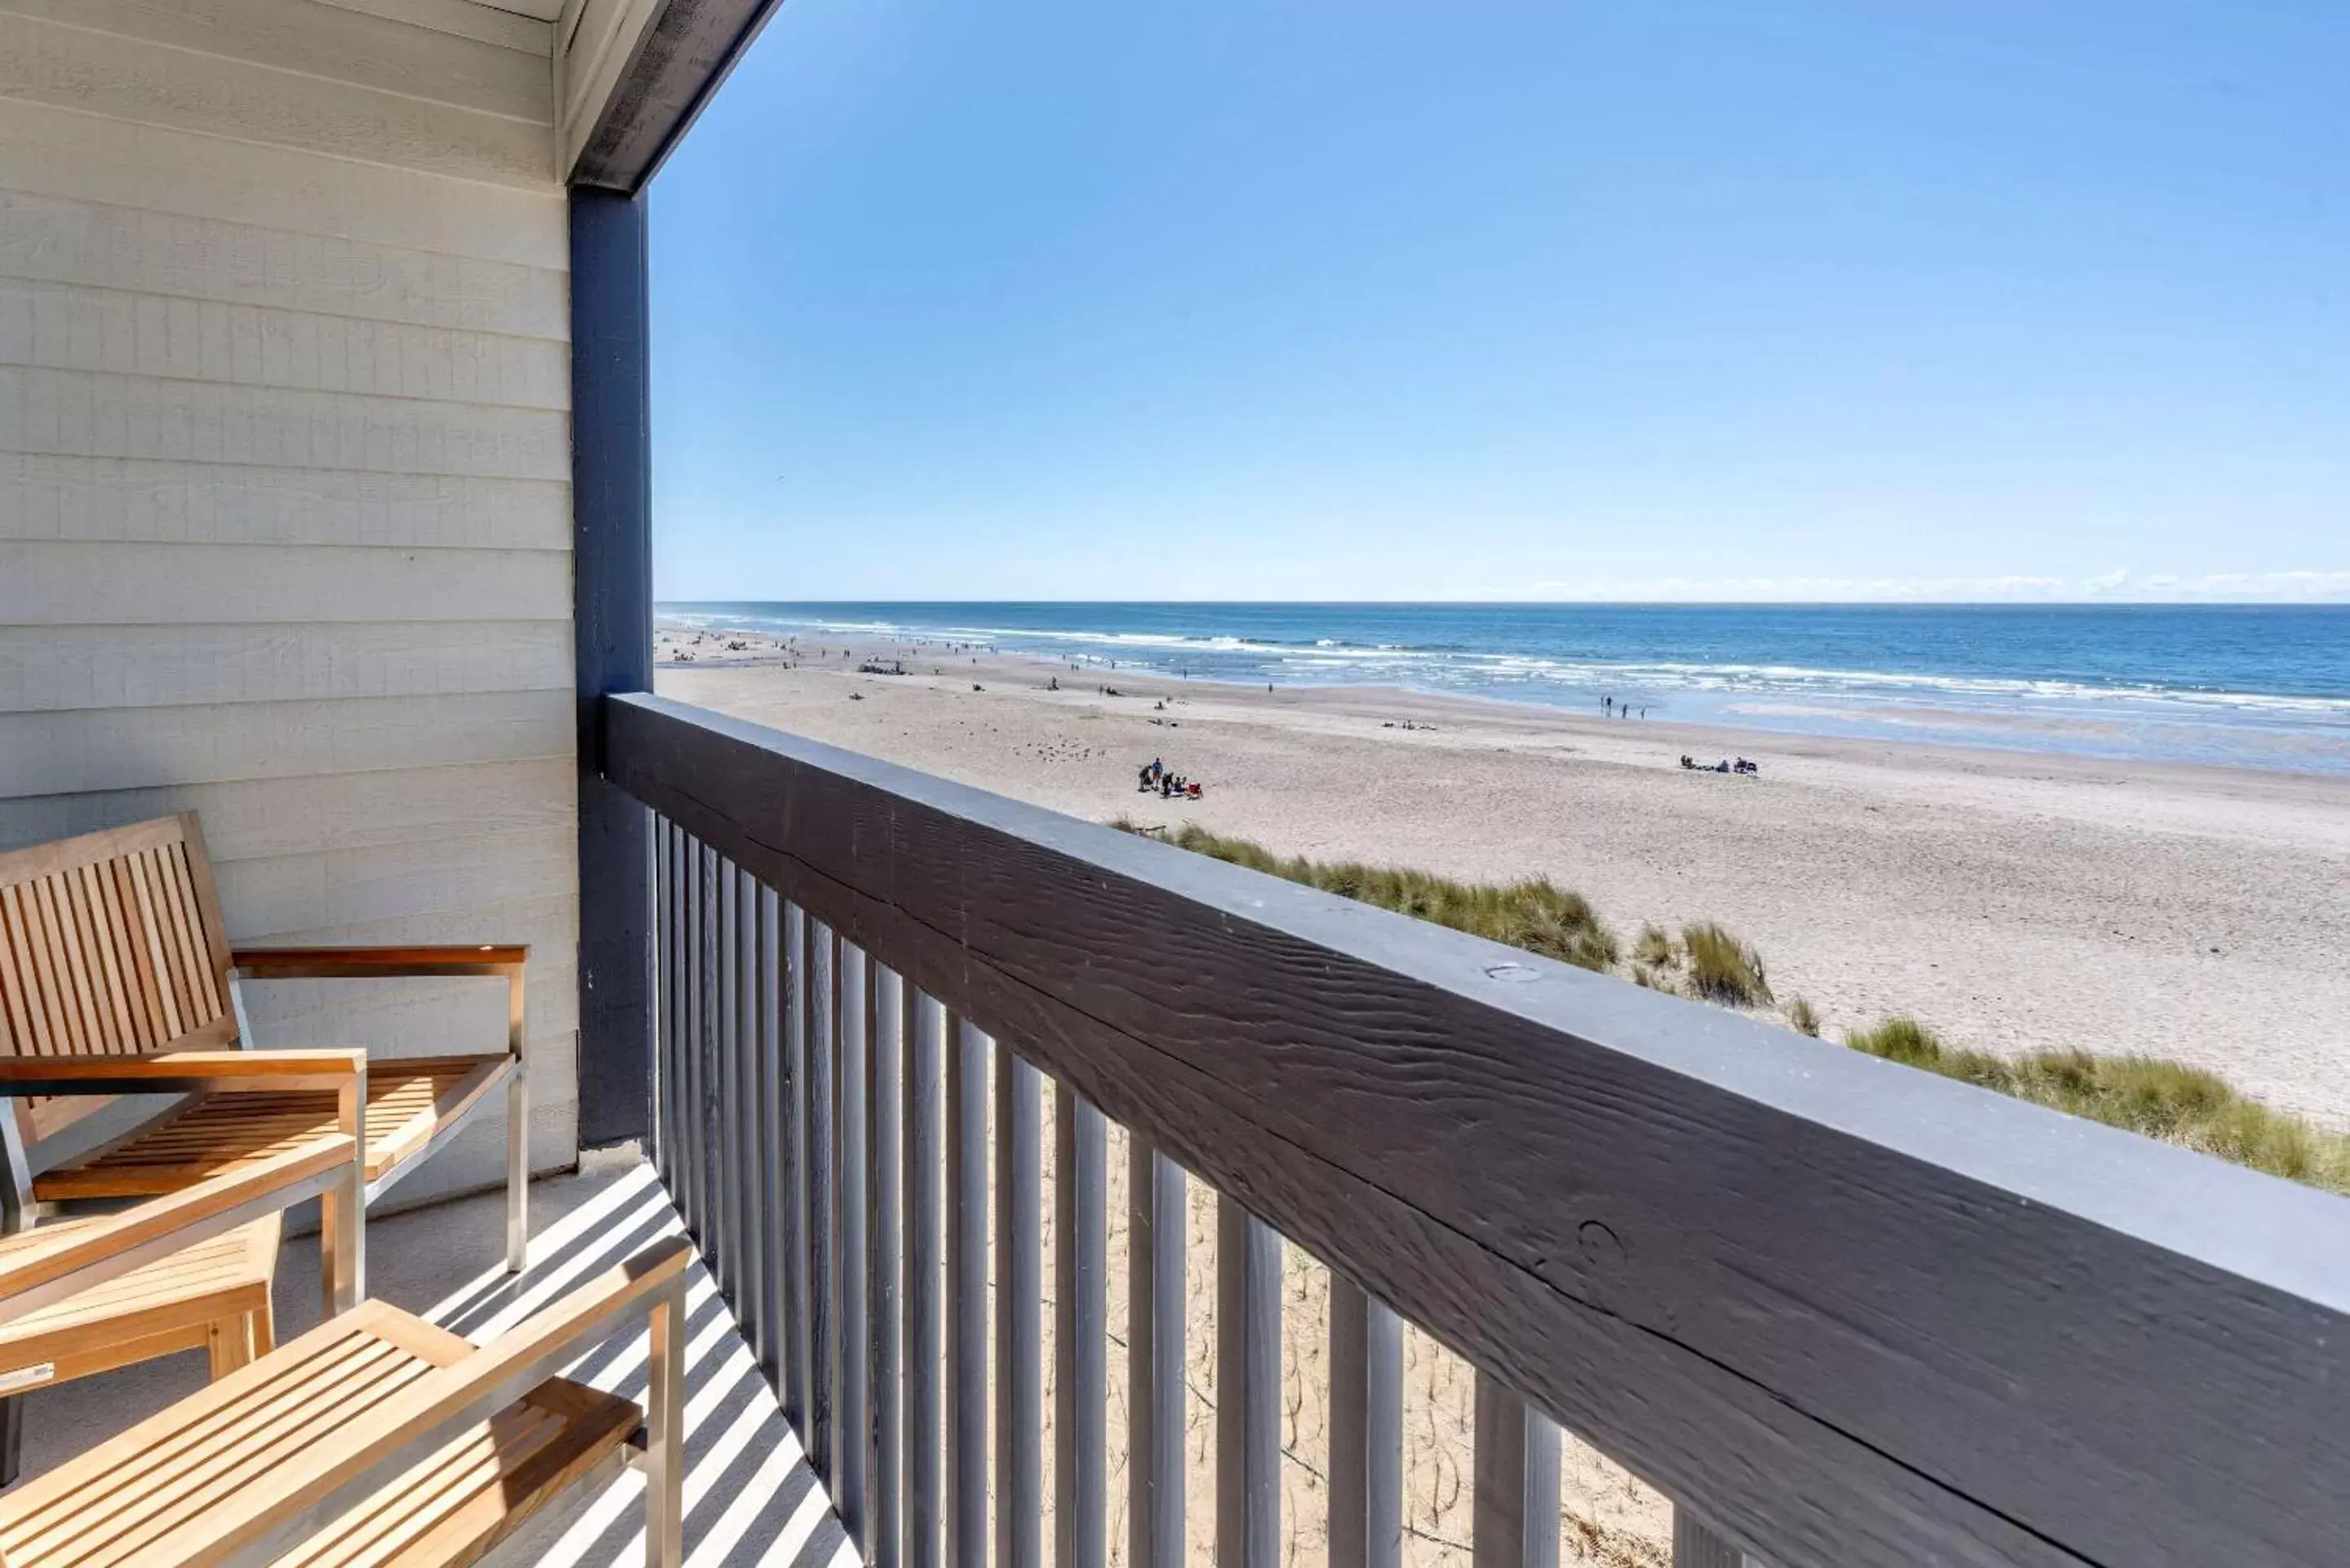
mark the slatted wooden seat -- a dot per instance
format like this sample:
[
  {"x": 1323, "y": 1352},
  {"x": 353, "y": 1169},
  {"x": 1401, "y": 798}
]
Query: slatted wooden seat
[
  {"x": 190, "y": 1270},
  {"x": 112, "y": 945},
  {"x": 301, "y": 1449}
]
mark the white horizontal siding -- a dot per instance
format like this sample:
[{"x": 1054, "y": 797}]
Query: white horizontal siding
[
  {"x": 60, "y": 239},
  {"x": 137, "y": 748},
  {"x": 155, "y": 83},
  {"x": 51, "y": 496},
  {"x": 285, "y": 485},
  {"x": 79, "y": 414},
  {"x": 46, "y": 668},
  {"x": 464, "y": 20},
  {"x": 250, "y": 819},
  {"x": 259, "y": 585},
  {"x": 70, "y": 326},
  {"x": 48, "y": 152},
  {"x": 323, "y": 41}
]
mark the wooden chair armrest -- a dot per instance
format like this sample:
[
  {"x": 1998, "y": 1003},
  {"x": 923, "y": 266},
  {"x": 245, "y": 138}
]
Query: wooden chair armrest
[
  {"x": 329, "y": 1476},
  {"x": 183, "y": 1071},
  {"x": 365, "y": 962},
  {"x": 36, "y": 1276}
]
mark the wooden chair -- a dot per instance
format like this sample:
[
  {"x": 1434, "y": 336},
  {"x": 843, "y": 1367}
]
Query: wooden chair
[
  {"x": 289, "y": 1455},
  {"x": 111, "y": 946},
  {"x": 221, "y": 1233},
  {"x": 188, "y": 1272}
]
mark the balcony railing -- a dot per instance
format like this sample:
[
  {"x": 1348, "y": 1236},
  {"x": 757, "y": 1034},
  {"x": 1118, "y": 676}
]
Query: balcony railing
[{"x": 1840, "y": 1311}]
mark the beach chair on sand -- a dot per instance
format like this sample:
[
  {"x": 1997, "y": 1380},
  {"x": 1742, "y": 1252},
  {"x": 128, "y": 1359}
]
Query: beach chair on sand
[
  {"x": 188, "y": 1272},
  {"x": 111, "y": 946},
  {"x": 379, "y": 1439}
]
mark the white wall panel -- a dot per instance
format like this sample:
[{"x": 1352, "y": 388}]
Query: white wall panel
[
  {"x": 285, "y": 486},
  {"x": 54, "y": 496}
]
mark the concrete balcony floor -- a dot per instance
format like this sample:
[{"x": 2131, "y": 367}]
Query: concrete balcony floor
[{"x": 750, "y": 1496}]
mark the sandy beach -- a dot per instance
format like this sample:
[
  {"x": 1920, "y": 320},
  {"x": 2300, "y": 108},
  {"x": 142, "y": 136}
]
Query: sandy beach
[{"x": 2011, "y": 900}]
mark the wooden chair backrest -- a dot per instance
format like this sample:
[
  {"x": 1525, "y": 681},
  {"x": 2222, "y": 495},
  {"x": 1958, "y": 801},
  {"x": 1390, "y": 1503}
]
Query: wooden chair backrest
[{"x": 110, "y": 945}]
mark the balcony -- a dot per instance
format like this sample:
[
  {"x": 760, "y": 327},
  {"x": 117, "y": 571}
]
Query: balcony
[
  {"x": 1838, "y": 1312},
  {"x": 930, "y": 1078}
]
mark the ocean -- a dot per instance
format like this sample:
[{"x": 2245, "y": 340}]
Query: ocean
[{"x": 2258, "y": 685}]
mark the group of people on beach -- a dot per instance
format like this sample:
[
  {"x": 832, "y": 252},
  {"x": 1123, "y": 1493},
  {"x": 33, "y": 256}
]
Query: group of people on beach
[
  {"x": 1615, "y": 709},
  {"x": 1171, "y": 786},
  {"x": 1740, "y": 766}
]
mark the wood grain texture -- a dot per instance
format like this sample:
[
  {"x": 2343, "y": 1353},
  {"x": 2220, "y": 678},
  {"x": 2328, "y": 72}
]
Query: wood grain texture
[
  {"x": 251, "y": 588},
  {"x": 134, "y": 748},
  {"x": 131, "y": 500},
  {"x": 1866, "y": 1315},
  {"x": 74, "y": 67},
  {"x": 84, "y": 414},
  {"x": 114, "y": 162},
  {"x": 338, "y": 45},
  {"x": 70, "y": 326},
  {"x": 59, "y": 667},
  {"x": 64, "y": 240}
]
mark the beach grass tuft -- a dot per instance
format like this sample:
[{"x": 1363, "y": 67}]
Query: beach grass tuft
[
  {"x": 1721, "y": 968},
  {"x": 1803, "y": 1017},
  {"x": 2148, "y": 1094},
  {"x": 1536, "y": 914},
  {"x": 1654, "y": 948}
]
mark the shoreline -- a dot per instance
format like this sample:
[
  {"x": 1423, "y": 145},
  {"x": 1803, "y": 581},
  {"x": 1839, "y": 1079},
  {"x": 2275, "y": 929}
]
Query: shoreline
[
  {"x": 2011, "y": 899},
  {"x": 2150, "y": 726}
]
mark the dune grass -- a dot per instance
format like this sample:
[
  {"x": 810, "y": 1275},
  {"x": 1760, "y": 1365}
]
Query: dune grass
[
  {"x": 1721, "y": 968},
  {"x": 2147, "y": 1095},
  {"x": 1536, "y": 914}
]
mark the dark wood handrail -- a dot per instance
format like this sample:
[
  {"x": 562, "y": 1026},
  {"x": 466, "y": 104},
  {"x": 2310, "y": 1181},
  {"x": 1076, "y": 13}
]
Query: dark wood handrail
[{"x": 1858, "y": 1313}]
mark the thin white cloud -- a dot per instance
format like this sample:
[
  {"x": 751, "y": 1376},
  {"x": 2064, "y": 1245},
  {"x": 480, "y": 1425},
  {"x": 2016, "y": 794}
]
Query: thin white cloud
[{"x": 2118, "y": 585}]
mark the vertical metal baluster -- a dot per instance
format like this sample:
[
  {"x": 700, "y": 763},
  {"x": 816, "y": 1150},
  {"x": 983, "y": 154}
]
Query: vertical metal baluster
[
  {"x": 966, "y": 1173},
  {"x": 705, "y": 1053},
  {"x": 1248, "y": 1389},
  {"x": 1019, "y": 1312},
  {"x": 1080, "y": 1340},
  {"x": 799, "y": 1351},
  {"x": 780, "y": 1213},
  {"x": 665, "y": 925},
  {"x": 1514, "y": 1517},
  {"x": 823, "y": 1283},
  {"x": 687, "y": 1192},
  {"x": 1365, "y": 1430},
  {"x": 750, "y": 1184},
  {"x": 1156, "y": 1221},
  {"x": 853, "y": 1451},
  {"x": 1696, "y": 1546},
  {"x": 884, "y": 1163},
  {"x": 725, "y": 1249},
  {"x": 925, "y": 1140}
]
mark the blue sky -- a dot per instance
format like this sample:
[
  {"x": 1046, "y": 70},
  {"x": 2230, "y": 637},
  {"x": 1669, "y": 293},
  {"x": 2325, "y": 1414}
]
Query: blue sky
[{"x": 1583, "y": 298}]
